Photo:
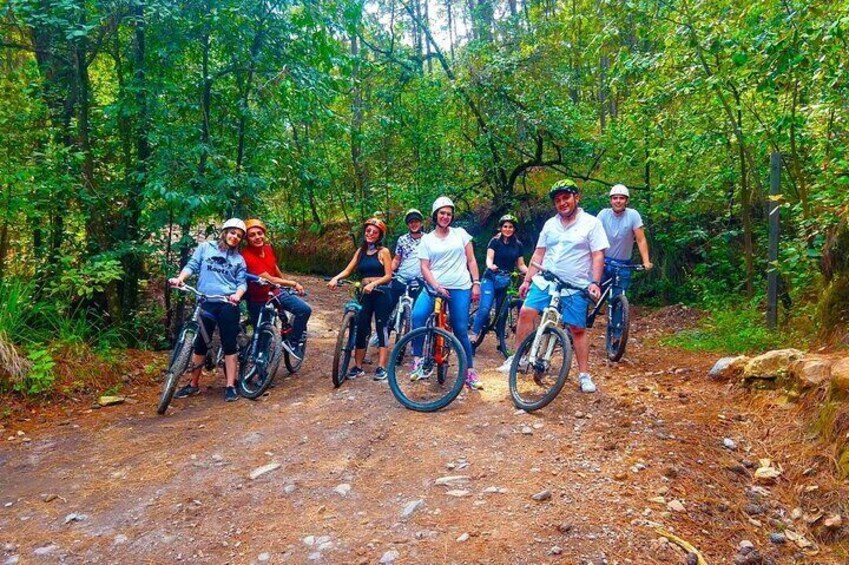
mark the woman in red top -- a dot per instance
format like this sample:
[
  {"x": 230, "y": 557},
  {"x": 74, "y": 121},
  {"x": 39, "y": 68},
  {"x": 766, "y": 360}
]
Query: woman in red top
[{"x": 261, "y": 261}]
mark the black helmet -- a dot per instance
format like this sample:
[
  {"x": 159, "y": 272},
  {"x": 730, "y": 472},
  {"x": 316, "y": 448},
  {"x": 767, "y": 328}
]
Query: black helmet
[
  {"x": 564, "y": 185},
  {"x": 412, "y": 214}
]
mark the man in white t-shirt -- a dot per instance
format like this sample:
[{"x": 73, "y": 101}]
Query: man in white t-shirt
[
  {"x": 623, "y": 227},
  {"x": 571, "y": 245}
]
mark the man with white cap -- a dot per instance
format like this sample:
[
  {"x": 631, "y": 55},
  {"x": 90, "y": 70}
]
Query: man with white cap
[{"x": 623, "y": 227}]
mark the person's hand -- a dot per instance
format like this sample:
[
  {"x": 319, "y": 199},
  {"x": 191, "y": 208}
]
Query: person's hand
[
  {"x": 493, "y": 268},
  {"x": 595, "y": 291},
  {"x": 369, "y": 287},
  {"x": 647, "y": 265},
  {"x": 175, "y": 281},
  {"x": 333, "y": 283},
  {"x": 443, "y": 291},
  {"x": 234, "y": 299},
  {"x": 523, "y": 289},
  {"x": 299, "y": 289},
  {"x": 476, "y": 292}
]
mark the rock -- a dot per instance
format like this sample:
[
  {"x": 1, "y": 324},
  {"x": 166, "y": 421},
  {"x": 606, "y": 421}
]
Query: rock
[
  {"x": 120, "y": 539},
  {"x": 458, "y": 493},
  {"x": 494, "y": 490},
  {"x": 45, "y": 549},
  {"x": 343, "y": 489},
  {"x": 75, "y": 517},
  {"x": 411, "y": 507},
  {"x": 728, "y": 368},
  {"x": 463, "y": 537},
  {"x": 766, "y": 473},
  {"x": 833, "y": 522},
  {"x": 676, "y": 506},
  {"x": 729, "y": 443},
  {"x": 289, "y": 489},
  {"x": 452, "y": 480},
  {"x": 840, "y": 376},
  {"x": 771, "y": 365},
  {"x": 389, "y": 557},
  {"x": 263, "y": 557},
  {"x": 692, "y": 559},
  {"x": 314, "y": 556},
  {"x": 527, "y": 430},
  {"x": 543, "y": 495},
  {"x": 754, "y": 509},
  {"x": 260, "y": 471},
  {"x": 555, "y": 550},
  {"x": 745, "y": 544},
  {"x": 564, "y": 528},
  {"x": 810, "y": 372},
  {"x": 777, "y": 538},
  {"x": 309, "y": 541},
  {"x": 110, "y": 400},
  {"x": 13, "y": 560}
]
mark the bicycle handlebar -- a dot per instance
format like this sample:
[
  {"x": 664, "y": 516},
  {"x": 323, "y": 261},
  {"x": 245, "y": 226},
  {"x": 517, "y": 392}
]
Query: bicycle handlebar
[
  {"x": 188, "y": 288},
  {"x": 549, "y": 276},
  {"x": 265, "y": 282}
]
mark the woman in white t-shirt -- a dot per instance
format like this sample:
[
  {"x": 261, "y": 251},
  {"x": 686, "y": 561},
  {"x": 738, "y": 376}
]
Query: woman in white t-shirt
[{"x": 449, "y": 267}]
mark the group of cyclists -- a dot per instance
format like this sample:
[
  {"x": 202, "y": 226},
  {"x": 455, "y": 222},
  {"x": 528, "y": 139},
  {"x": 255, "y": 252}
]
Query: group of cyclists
[{"x": 573, "y": 244}]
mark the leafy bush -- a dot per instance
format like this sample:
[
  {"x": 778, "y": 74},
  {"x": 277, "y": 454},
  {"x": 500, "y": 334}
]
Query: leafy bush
[{"x": 39, "y": 378}]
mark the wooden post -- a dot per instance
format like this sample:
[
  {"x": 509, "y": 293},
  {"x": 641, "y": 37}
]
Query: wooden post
[{"x": 772, "y": 274}]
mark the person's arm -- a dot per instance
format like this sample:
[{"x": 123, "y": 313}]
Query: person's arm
[
  {"x": 598, "y": 270},
  {"x": 643, "y": 246},
  {"x": 396, "y": 260},
  {"x": 490, "y": 259},
  {"x": 536, "y": 258},
  {"x": 334, "y": 282},
  {"x": 192, "y": 267},
  {"x": 472, "y": 265},
  {"x": 427, "y": 275},
  {"x": 241, "y": 282},
  {"x": 386, "y": 260},
  {"x": 520, "y": 264}
]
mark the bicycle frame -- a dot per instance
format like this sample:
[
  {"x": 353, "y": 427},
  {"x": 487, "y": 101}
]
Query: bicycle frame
[
  {"x": 607, "y": 287},
  {"x": 406, "y": 299}
]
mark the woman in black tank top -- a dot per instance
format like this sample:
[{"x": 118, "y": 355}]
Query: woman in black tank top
[{"x": 373, "y": 263}]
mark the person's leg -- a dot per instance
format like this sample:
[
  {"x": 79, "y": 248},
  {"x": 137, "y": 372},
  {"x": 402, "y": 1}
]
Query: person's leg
[
  {"x": 209, "y": 322},
  {"x": 422, "y": 308},
  {"x": 536, "y": 300},
  {"x": 302, "y": 312},
  {"x": 382, "y": 310},
  {"x": 573, "y": 310},
  {"x": 487, "y": 298},
  {"x": 458, "y": 316},
  {"x": 363, "y": 328},
  {"x": 228, "y": 328}
]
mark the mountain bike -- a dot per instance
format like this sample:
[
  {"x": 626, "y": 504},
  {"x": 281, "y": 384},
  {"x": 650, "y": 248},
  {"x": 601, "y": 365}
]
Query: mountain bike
[
  {"x": 543, "y": 359},
  {"x": 444, "y": 363},
  {"x": 346, "y": 340},
  {"x": 618, "y": 311},
  {"x": 258, "y": 366},
  {"x": 402, "y": 315},
  {"x": 181, "y": 356},
  {"x": 503, "y": 318}
]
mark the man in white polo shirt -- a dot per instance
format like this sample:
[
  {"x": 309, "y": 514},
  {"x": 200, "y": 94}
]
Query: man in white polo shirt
[{"x": 571, "y": 245}]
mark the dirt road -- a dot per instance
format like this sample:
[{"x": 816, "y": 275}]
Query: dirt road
[{"x": 357, "y": 475}]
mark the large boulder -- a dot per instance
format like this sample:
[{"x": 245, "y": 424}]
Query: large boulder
[
  {"x": 728, "y": 368},
  {"x": 771, "y": 365},
  {"x": 811, "y": 371},
  {"x": 840, "y": 376}
]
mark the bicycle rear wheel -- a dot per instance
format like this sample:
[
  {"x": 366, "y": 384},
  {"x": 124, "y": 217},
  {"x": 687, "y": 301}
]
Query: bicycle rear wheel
[
  {"x": 344, "y": 348},
  {"x": 507, "y": 324},
  {"x": 534, "y": 382},
  {"x": 180, "y": 361},
  {"x": 444, "y": 370},
  {"x": 618, "y": 326},
  {"x": 255, "y": 373},
  {"x": 292, "y": 363}
]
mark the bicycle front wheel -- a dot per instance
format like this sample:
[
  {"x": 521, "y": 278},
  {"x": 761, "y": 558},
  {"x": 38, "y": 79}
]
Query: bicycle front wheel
[
  {"x": 618, "y": 325},
  {"x": 405, "y": 318},
  {"x": 507, "y": 325},
  {"x": 255, "y": 373},
  {"x": 292, "y": 363},
  {"x": 344, "y": 348},
  {"x": 535, "y": 380},
  {"x": 442, "y": 374},
  {"x": 180, "y": 361}
]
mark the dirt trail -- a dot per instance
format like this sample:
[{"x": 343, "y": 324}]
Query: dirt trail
[{"x": 150, "y": 489}]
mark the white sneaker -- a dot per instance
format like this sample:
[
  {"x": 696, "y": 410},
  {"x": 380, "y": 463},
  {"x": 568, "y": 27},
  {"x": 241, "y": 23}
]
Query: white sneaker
[
  {"x": 505, "y": 367},
  {"x": 586, "y": 383}
]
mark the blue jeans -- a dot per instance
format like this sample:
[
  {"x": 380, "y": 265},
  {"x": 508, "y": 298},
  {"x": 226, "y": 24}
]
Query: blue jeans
[
  {"x": 290, "y": 303},
  {"x": 493, "y": 288},
  {"x": 458, "y": 317},
  {"x": 624, "y": 275}
]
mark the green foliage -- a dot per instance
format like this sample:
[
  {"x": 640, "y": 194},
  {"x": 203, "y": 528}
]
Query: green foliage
[
  {"x": 39, "y": 379},
  {"x": 77, "y": 282},
  {"x": 734, "y": 329}
]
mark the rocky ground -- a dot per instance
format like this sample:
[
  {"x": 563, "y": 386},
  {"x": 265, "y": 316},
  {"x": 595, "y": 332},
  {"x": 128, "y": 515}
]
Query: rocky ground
[{"x": 309, "y": 474}]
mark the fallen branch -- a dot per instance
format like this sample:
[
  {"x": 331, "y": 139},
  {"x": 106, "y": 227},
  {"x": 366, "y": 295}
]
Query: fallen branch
[{"x": 683, "y": 544}]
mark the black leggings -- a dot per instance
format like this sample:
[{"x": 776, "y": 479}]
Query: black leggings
[
  {"x": 226, "y": 317},
  {"x": 378, "y": 304}
]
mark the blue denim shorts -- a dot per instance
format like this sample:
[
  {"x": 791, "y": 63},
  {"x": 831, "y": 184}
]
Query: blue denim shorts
[{"x": 573, "y": 308}]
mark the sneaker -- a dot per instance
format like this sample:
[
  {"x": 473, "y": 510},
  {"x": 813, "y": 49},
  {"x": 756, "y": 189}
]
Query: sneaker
[
  {"x": 293, "y": 350},
  {"x": 585, "y": 383},
  {"x": 472, "y": 380},
  {"x": 418, "y": 371},
  {"x": 505, "y": 367},
  {"x": 380, "y": 374},
  {"x": 354, "y": 373},
  {"x": 187, "y": 391},
  {"x": 230, "y": 394}
]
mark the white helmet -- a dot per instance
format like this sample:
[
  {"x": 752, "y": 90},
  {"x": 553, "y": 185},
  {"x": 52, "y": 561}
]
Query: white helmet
[
  {"x": 235, "y": 223},
  {"x": 619, "y": 190},
  {"x": 441, "y": 202}
]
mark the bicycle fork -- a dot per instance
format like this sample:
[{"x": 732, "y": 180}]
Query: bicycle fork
[{"x": 439, "y": 341}]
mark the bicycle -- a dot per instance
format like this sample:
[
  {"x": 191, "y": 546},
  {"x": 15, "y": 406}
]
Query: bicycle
[
  {"x": 444, "y": 363},
  {"x": 258, "y": 366},
  {"x": 402, "y": 315},
  {"x": 181, "y": 356},
  {"x": 618, "y": 311},
  {"x": 504, "y": 318},
  {"x": 346, "y": 340},
  {"x": 543, "y": 359}
]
